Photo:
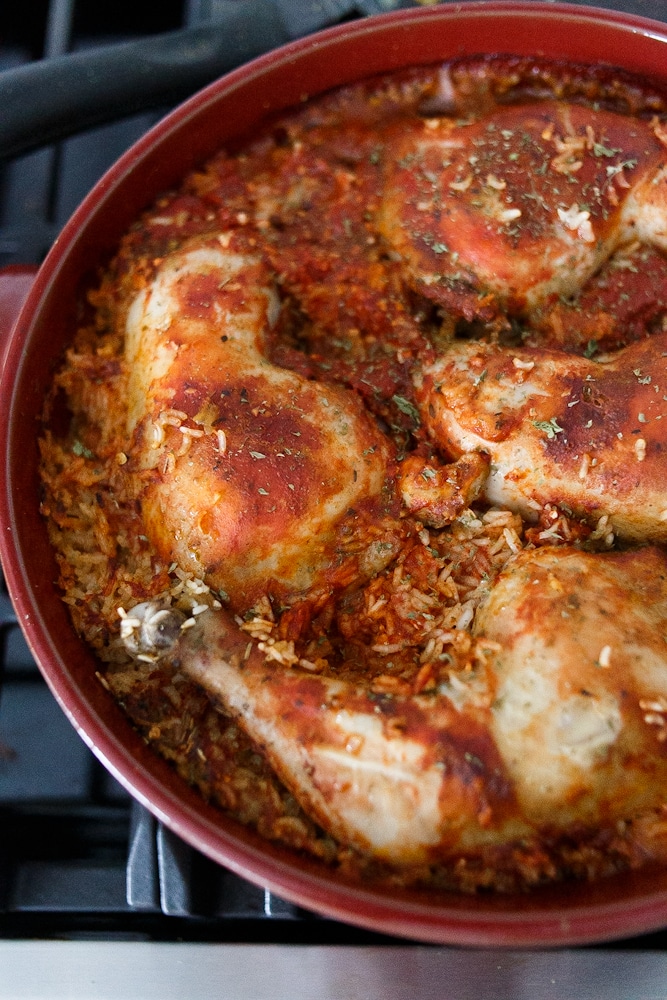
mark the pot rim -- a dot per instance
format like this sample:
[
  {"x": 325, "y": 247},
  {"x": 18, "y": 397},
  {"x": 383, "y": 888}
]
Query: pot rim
[{"x": 547, "y": 919}]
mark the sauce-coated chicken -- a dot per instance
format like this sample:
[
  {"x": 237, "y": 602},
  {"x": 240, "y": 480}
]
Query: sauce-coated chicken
[
  {"x": 559, "y": 429},
  {"x": 521, "y": 205},
  {"x": 248, "y": 475},
  {"x": 563, "y": 727}
]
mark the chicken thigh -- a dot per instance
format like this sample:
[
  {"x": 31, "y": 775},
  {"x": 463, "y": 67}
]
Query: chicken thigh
[
  {"x": 580, "y": 681},
  {"x": 522, "y": 204},
  {"x": 557, "y": 729},
  {"x": 588, "y": 435},
  {"x": 248, "y": 475}
]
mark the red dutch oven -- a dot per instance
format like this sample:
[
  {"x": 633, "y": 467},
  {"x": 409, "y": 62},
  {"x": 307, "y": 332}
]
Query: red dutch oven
[{"x": 34, "y": 340}]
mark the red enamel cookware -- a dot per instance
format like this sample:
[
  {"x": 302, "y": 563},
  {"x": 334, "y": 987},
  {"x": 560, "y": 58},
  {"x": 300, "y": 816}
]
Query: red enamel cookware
[{"x": 575, "y": 913}]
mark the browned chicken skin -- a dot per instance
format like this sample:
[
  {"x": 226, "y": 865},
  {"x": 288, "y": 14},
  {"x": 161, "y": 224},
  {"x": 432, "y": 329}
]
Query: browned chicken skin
[
  {"x": 560, "y": 728},
  {"x": 249, "y": 476},
  {"x": 585, "y": 434},
  {"x": 580, "y": 681},
  {"x": 521, "y": 205}
]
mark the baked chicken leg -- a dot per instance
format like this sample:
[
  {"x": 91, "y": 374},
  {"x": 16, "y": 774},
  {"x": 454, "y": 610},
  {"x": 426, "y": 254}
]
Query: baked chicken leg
[
  {"x": 248, "y": 475},
  {"x": 557, "y": 728},
  {"x": 588, "y": 435},
  {"x": 521, "y": 204}
]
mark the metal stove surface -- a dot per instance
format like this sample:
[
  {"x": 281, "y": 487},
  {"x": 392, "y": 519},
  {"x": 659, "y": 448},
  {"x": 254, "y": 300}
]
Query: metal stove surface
[{"x": 98, "y": 899}]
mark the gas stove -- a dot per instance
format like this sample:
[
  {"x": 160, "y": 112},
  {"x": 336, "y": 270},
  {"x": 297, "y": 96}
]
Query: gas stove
[{"x": 97, "y": 898}]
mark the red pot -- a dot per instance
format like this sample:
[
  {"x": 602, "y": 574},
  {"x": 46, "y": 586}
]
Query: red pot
[{"x": 569, "y": 914}]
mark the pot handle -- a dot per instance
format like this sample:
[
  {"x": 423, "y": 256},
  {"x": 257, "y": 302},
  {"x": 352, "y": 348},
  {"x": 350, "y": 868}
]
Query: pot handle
[
  {"x": 15, "y": 282},
  {"x": 50, "y": 99}
]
